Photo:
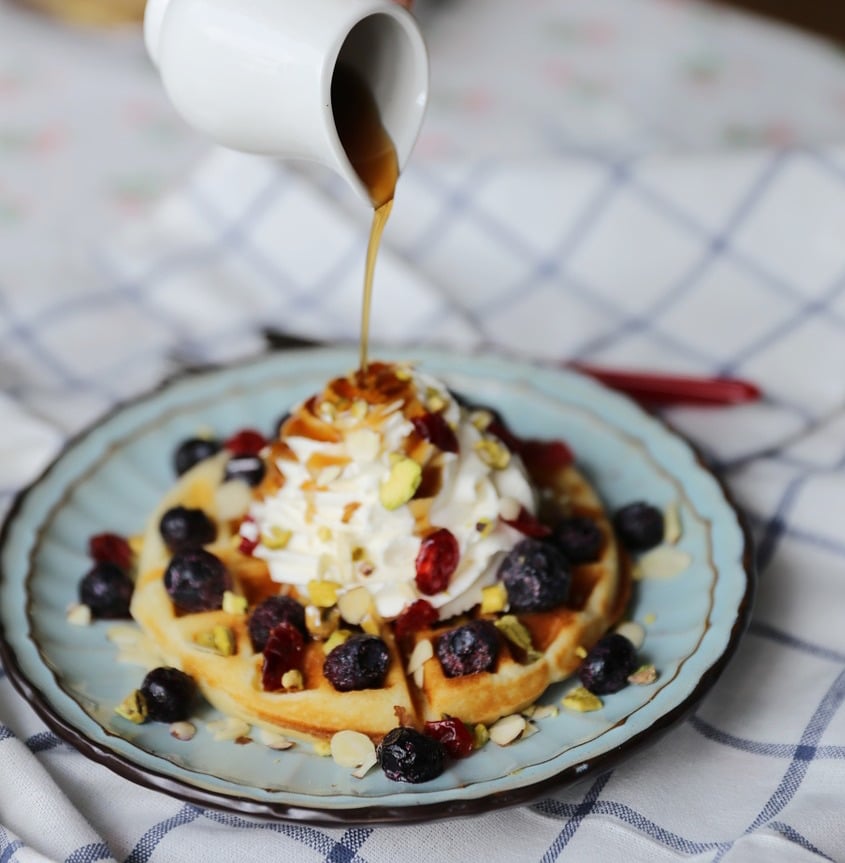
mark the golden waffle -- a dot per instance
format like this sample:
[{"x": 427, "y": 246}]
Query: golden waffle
[{"x": 232, "y": 683}]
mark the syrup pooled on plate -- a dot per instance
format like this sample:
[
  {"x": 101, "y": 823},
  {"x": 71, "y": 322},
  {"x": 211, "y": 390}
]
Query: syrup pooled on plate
[{"x": 373, "y": 156}]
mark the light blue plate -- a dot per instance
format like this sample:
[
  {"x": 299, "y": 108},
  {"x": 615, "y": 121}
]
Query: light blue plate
[{"x": 111, "y": 476}]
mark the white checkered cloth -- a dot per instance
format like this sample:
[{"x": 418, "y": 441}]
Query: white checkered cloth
[
  {"x": 701, "y": 265},
  {"x": 503, "y": 239}
]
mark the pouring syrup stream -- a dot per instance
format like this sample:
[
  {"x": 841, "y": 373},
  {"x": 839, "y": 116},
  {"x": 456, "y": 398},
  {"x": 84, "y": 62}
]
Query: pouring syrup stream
[{"x": 373, "y": 156}]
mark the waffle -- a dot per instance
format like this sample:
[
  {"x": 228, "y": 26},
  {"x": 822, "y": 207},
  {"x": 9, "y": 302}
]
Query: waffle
[{"x": 232, "y": 683}]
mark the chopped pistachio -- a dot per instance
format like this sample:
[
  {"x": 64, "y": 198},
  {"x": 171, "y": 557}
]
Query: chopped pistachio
[
  {"x": 276, "y": 538},
  {"x": 234, "y": 604},
  {"x": 133, "y": 707},
  {"x": 224, "y": 640},
  {"x": 481, "y": 419},
  {"x": 480, "y": 735},
  {"x": 322, "y": 748},
  {"x": 292, "y": 680},
  {"x": 359, "y": 409},
  {"x": 493, "y": 453},
  {"x": 327, "y": 411},
  {"x": 484, "y": 526},
  {"x": 434, "y": 400},
  {"x": 403, "y": 373},
  {"x": 370, "y": 625},
  {"x": 323, "y": 594},
  {"x": 219, "y": 639},
  {"x": 581, "y": 651},
  {"x": 649, "y": 618},
  {"x": 581, "y": 700},
  {"x": 517, "y": 633},
  {"x": 324, "y": 533},
  {"x": 494, "y": 598},
  {"x": 401, "y": 484},
  {"x": 321, "y": 622},
  {"x": 335, "y": 639}
]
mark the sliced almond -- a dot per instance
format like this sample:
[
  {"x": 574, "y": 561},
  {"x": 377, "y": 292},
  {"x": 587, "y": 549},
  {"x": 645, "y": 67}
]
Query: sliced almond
[
  {"x": 274, "y": 741},
  {"x": 633, "y": 631},
  {"x": 232, "y": 500},
  {"x": 183, "y": 730},
  {"x": 229, "y": 728},
  {"x": 422, "y": 652},
  {"x": 665, "y": 561},
  {"x": 78, "y": 614},
  {"x": 353, "y": 749},
  {"x": 672, "y": 529},
  {"x": 355, "y": 605},
  {"x": 507, "y": 729}
]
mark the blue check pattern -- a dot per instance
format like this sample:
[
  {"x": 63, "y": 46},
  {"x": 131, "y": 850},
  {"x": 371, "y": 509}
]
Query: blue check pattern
[{"x": 729, "y": 265}]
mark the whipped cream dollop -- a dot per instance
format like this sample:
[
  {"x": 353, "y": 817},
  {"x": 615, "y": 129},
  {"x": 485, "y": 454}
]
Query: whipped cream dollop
[{"x": 328, "y": 511}]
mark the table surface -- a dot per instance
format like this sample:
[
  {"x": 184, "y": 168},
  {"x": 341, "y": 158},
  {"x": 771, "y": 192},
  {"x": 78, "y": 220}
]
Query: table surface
[{"x": 706, "y": 141}]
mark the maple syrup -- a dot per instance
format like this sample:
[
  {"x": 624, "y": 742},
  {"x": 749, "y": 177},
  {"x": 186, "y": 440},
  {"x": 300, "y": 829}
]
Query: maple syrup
[{"x": 373, "y": 156}]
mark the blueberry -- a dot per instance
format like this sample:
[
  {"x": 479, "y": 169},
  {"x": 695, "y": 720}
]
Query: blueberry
[
  {"x": 267, "y": 615},
  {"x": 169, "y": 694},
  {"x": 248, "y": 468},
  {"x": 182, "y": 528},
  {"x": 192, "y": 451},
  {"x": 468, "y": 649},
  {"x": 536, "y": 576},
  {"x": 107, "y": 590},
  {"x": 196, "y": 580},
  {"x": 579, "y": 538},
  {"x": 406, "y": 755},
  {"x": 639, "y": 526},
  {"x": 606, "y": 667},
  {"x": 360, "y": 662}
]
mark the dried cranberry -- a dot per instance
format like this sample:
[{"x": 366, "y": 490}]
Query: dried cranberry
[
  {"x": 437, "y": 559},
  {"x": 536, "y": 576},
  {"x": 468, "y": 649},
  {"x": 267, "y": 615},
  {"x": 283, "y": 652},
  {"x": 406, "y": 755},
  {"x": 453, "y": 734},
  {"x": 639, "y": 526},
  {"x": 360, "y": 662},
  {"x": 248, "y": 545},
  {"x": 246, "y": 442},
  {"x": 110, "y": 548},
  {"x": 420, "y": 614},
  {"x": 528, "y": 524},
  {"x": 545, "y": 459},
  {"x": 434, "y": 428}
]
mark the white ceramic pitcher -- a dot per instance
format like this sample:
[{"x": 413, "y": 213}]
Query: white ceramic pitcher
[{"x": 256, "y": 75}]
